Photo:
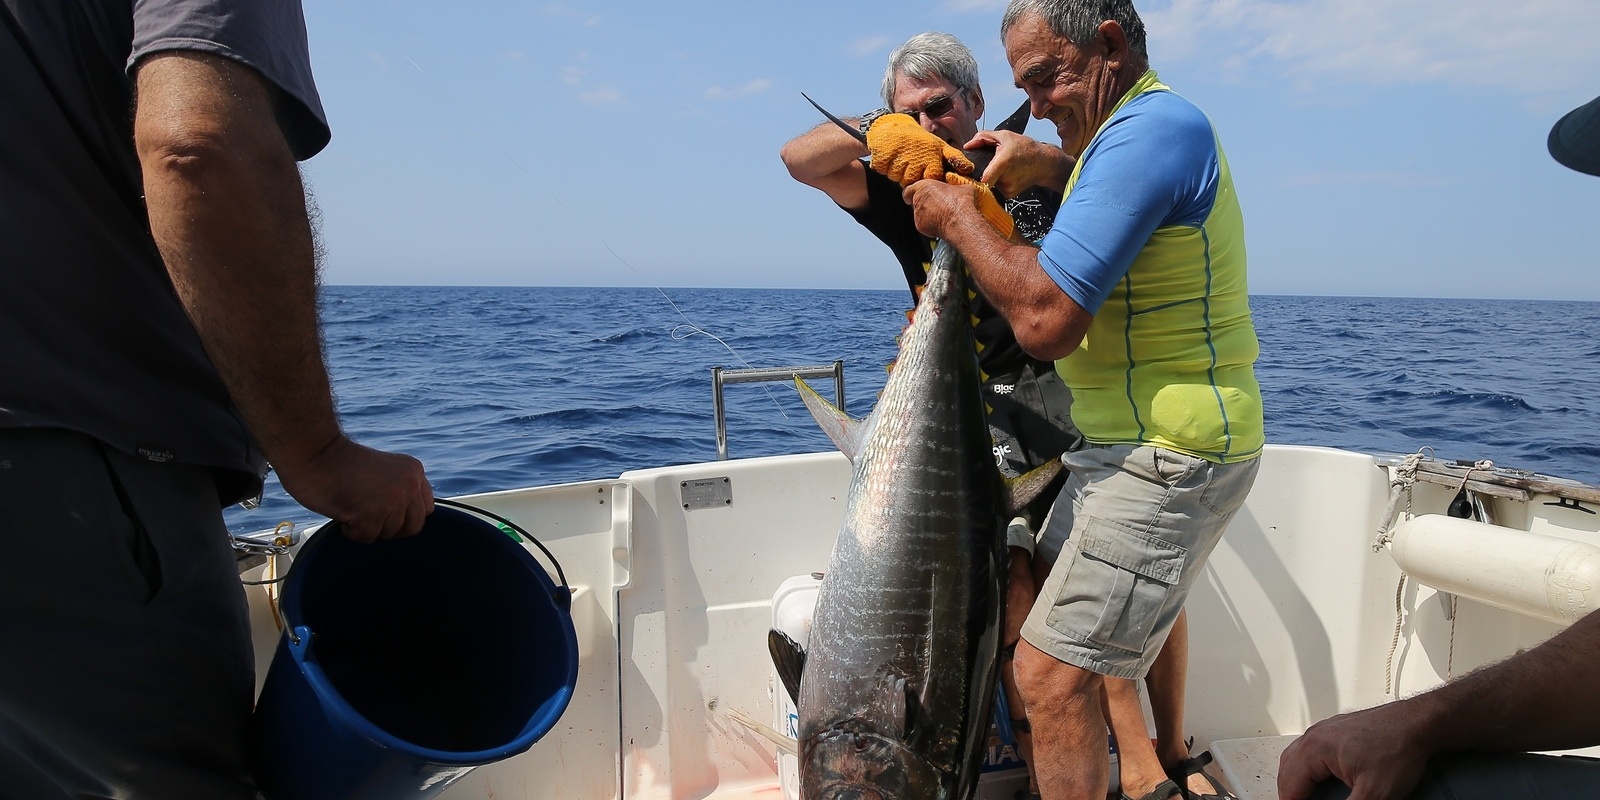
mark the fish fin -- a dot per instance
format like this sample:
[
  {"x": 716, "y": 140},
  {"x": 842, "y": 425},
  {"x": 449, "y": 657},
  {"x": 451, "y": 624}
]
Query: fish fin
[
  {"x": 843, "y": 429},
  {"x": 783, "y": 743},
  {"x": 1024, "y": 488},
  {"x": 790, "y": 659},
  {"x": 896, "y": 702}
]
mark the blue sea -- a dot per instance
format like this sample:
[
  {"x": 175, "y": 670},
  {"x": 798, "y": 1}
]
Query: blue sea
[{"x": 497, "y": 388}]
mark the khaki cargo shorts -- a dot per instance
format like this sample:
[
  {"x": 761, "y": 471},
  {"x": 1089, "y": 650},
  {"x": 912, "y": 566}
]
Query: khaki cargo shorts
[{"x": 1128, "y": 536}]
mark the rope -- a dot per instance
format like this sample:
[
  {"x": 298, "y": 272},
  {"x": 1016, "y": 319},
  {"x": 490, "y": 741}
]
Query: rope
[
  {"x": 1394, "y": 643},
  {"x": 1450, "y": 664},
  {"x": 1481, "y": 513},
  {"x": 1477, "y": 466},
  {"x": 1405, "y": 477},
  {"x": 274, "y": 590},
  {"x": 282, "y": 539}
]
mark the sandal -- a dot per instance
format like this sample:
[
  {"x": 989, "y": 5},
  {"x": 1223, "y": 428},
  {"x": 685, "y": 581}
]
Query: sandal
[
  {"x": 1183, "y": 770},
  {"x": 1165, "y": 790}
]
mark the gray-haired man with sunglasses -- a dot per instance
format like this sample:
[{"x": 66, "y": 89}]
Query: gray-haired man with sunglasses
[{"x": 931, "y": 85}]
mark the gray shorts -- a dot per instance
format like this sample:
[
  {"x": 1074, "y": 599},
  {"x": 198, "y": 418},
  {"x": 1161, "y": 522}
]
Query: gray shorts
[
  {"x": 128, "y": 669},
  {"x": 1128, "y": 536}
]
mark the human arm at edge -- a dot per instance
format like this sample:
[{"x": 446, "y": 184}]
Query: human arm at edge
[
  {"x": 829, "y": 159},
  {"x": 1048, "y": 324},
  {"x": 227, "y": 211},
  {"x": 1537, "y": 700}
]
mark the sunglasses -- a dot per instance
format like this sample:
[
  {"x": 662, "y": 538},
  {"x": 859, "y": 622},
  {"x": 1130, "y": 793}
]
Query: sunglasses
[{"x": 935, "y": 108}]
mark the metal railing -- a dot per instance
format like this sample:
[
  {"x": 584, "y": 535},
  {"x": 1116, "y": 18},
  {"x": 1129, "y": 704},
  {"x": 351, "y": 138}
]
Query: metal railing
[{"x": 721, "y": 376}]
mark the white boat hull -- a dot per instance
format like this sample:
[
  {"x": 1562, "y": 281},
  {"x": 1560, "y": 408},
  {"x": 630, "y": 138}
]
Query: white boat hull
[{"x": 1292, "y": 622}]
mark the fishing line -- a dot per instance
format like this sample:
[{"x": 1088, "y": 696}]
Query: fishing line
[{"x": 680, "y": 332}]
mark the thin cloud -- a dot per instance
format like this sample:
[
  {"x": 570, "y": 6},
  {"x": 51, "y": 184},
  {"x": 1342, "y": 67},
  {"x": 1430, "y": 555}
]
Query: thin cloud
[
  {"x": 867, "y": 46},
  {"x": 756, "y": 86},
  {"x": 590, "y": 94},
  {"x": 1467, "y": 43},
  {"x": 600, "y": 96}
]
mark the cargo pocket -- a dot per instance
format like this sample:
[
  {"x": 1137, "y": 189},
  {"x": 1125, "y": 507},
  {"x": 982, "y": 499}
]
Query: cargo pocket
[{"x": 1124, "y": 581}]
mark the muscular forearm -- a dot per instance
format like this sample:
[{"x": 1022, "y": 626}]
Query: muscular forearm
[
  {"x": 227, "y": 211},
  {"x": 821, "y": 151},
  {"x": 829, "y": 159},
  {"x": 1048, "y": 324}
]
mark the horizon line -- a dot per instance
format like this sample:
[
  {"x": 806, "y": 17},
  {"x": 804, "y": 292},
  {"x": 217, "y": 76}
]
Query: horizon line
[{"x": 890, "y": 289}]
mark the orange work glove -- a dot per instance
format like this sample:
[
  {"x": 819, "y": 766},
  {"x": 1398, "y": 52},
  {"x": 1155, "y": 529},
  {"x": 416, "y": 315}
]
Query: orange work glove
[
  {"x": 988, "y": 204},
  {"x": 905, "y": 153}
]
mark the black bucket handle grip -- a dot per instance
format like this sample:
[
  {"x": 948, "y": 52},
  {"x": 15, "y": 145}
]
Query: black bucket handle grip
[{"x": 566, "y": 595}]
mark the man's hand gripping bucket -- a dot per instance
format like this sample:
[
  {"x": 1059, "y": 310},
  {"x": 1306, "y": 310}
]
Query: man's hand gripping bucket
[{"x": 406, "y": 663}]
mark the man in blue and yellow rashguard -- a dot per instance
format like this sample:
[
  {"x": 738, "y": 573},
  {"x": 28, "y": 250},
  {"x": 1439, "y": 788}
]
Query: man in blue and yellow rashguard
[{"x": 1138, "y": 294}]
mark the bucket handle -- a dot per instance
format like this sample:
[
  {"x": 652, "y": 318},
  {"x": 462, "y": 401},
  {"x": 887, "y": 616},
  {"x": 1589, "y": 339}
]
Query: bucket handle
[{"x": 565, "y": 598}]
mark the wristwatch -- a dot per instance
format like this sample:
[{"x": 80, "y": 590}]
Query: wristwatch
[{"x": 869, "y": 118}]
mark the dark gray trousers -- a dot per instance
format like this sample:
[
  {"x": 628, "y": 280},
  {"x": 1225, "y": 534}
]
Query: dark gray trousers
[
  {"x": 1497, "y": 776},
  {"x": 125, "y": 659}
]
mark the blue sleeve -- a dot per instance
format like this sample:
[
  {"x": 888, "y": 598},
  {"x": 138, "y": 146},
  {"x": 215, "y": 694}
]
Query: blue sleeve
[
  {"x": 266, "y": 35},
  {"x": 1155, "y": 165}
]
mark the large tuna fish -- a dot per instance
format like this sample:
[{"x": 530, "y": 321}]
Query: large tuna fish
[{"x": 895, "y": 686}]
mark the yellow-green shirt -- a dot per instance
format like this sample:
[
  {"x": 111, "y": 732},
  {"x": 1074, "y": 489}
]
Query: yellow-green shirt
[{"x": 1150, "y": 240}]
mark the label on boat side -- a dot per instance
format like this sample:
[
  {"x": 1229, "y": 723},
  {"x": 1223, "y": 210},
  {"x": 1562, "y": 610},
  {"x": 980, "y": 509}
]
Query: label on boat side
[{"x": 706, "y": 493}]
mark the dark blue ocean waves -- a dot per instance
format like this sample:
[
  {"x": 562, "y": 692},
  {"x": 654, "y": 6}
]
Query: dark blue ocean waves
[
  {"x": 1511, "y": 381},
  {"x": 496, "y": 388}
]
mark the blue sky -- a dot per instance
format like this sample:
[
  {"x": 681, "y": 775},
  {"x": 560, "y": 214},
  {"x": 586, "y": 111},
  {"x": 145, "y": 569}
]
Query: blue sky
[{"x": 1379, "y": 147}]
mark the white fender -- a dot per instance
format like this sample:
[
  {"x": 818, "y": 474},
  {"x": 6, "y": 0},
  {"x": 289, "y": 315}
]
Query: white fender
[{"x": 1546, "y": 577}]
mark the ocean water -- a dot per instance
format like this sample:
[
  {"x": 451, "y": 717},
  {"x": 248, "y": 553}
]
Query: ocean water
[{"x": 496, "y": 388}]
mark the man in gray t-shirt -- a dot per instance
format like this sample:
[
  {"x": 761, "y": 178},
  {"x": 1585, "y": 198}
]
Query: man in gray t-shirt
[{"x": 157, "y": 309}]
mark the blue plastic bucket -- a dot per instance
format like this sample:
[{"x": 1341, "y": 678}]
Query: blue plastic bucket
[{"x": 408, "y": 662}]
